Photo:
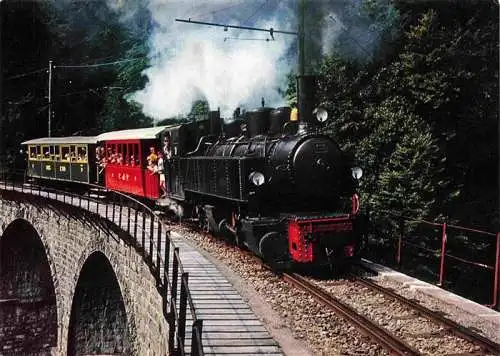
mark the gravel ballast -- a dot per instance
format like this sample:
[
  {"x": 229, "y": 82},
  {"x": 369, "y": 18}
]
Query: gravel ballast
[{"x": 303, "y": 326}]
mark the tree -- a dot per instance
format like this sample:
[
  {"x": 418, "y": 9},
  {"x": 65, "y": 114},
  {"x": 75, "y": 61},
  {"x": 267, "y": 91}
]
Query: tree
[
  {"x": 199, "y": 109},
  {"x": 432, "y": 101},
  {"x": 118, "y": 112}
]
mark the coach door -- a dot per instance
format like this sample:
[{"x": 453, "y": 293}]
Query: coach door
[
  {"x": 79, "y": 163},
  {"x": 62, "y": 163},
  {"x": 48, "y": 168}
]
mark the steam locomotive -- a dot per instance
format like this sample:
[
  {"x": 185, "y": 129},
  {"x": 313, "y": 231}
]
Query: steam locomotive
[{"x": 282, "y": 189}]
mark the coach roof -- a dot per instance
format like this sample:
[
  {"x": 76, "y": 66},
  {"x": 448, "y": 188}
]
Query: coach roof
[
  {"x": 135, "y": 134},
  {"x": 71, "y": 140}
]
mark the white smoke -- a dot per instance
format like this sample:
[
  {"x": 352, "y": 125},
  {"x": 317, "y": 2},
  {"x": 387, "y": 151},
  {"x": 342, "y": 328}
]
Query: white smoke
[
  {"x": 191, "y": 62},
  {"x": 331, "y": 29}
]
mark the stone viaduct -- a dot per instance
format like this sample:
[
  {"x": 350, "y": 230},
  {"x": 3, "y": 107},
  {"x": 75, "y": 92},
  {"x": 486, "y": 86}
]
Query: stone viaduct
[{"x": 69, "y": 284}]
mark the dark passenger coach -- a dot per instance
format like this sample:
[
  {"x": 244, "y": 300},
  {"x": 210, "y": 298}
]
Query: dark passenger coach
[{"x": 69, "y": 159}]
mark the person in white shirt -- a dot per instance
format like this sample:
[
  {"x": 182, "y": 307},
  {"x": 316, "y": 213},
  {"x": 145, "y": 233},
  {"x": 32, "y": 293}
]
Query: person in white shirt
[
  {"x": 161, "y": 172},
  {"x": 167, "y": 149}
]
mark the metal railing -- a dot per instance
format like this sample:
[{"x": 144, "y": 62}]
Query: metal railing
[
  {"x": 136, "y": 224},
  {"x": 441, "y": 251}
]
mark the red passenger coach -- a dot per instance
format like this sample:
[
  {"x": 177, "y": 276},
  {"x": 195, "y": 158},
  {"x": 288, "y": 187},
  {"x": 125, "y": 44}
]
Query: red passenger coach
[{"x": 125, "y": 162}]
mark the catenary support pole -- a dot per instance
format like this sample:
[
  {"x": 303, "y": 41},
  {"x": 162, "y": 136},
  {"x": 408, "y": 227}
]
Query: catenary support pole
[{"x": 50, "y": 99}]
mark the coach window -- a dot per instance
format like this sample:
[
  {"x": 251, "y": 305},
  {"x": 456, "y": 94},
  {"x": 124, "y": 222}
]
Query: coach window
[
  {"x": 57, "y": 153},
  {"x": 108, "y": 153},
  {"x": 112, "y": 154},
  {"x": 131, "y": 155},
  {"x": 45, "y": 153},
  {"x": 123, "y": 157},
  {"x": 32, "y": 150},
  {"x": 52, "y": 153},
  {"x": 85, "y": 153},
  {"x": 72, "y": 153},
  {"x": 38, "y": 152},
  {"x": 119, "y": 154},
  {"x": 65, "y": 153},
  {"x": 81, "y": 154}
]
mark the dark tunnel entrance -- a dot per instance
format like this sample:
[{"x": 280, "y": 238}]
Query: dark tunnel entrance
[
  {"x": 98, "y": 323},
  {"x": 28, "y": 311}
]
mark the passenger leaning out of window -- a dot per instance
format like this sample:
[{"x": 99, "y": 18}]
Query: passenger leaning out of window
[
  {"x": 152, "y": 155},
  {"x": 161, "y": 172},
  {"x": 167, "y": 148}
]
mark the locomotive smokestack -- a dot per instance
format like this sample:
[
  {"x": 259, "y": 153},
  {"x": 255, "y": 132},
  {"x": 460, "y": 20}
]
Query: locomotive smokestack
[
  {"x": 215, "y": 122},
  {"x": 306, "y": 85}
]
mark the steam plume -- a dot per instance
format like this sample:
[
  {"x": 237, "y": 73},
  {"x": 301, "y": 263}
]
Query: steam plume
[{"x": 191, "y": 62}]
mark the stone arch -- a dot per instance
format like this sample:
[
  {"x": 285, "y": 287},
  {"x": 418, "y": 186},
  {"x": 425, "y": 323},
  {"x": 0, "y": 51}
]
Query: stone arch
[
  {"x": 98, "y": 321},
  {"x": 28, "y": 310}
]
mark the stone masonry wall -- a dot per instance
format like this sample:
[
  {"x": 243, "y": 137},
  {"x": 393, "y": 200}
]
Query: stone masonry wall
[
  {"x": 68, "y": 242},
  {"x": 27, "y": 292}
]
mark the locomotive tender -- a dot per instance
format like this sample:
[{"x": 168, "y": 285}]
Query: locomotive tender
[{"x": 280, "y": 188}]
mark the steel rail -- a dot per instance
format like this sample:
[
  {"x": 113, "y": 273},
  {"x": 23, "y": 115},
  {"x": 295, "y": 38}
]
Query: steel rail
[
  {"x": 381, "y": 336},
  {"x": 486, "y": 344}
]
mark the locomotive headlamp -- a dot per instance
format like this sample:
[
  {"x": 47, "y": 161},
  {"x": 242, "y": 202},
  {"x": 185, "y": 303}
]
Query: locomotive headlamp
[
  {"x": 257, "y": 178},
  {"x": 321, "y": 114},
  {"x": 357, "y": 173}
]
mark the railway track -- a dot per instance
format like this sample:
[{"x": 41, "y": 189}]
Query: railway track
[
  {"x": 381, "y": 336},
  {"x": 387, "y": 340},
  {"x": 486, "y": 345}
]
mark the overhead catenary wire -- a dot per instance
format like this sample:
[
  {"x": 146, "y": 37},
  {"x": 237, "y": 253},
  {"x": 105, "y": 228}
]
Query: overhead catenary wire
[
  {"x": 256, "y": 11},
  {"x": 220, "y": 10},
  {"x": 94, "y": 65},
  {"x": 22, "y": 75},
  {"x": 92, "y": 90},
  {"x": 227, "y": 26},
  {"x": 249, "y": 39}
]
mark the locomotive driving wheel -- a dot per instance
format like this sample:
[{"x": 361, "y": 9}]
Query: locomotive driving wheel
[
  {"x": 273, "y": 247},
  {"x": 203, "y": 222}
]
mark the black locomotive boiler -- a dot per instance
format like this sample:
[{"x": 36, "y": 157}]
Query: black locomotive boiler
[{"x": 280, "y": 188}]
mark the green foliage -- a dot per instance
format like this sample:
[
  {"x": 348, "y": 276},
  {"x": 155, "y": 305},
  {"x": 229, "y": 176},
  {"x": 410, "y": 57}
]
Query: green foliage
[
  {"x": 290, "y": 92},
  {"x": 423, "y": 120},
  {"x": 118, "y": 112},
  {"x": 199, "y": 109},
  {"x": 85, "y": 100}
]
